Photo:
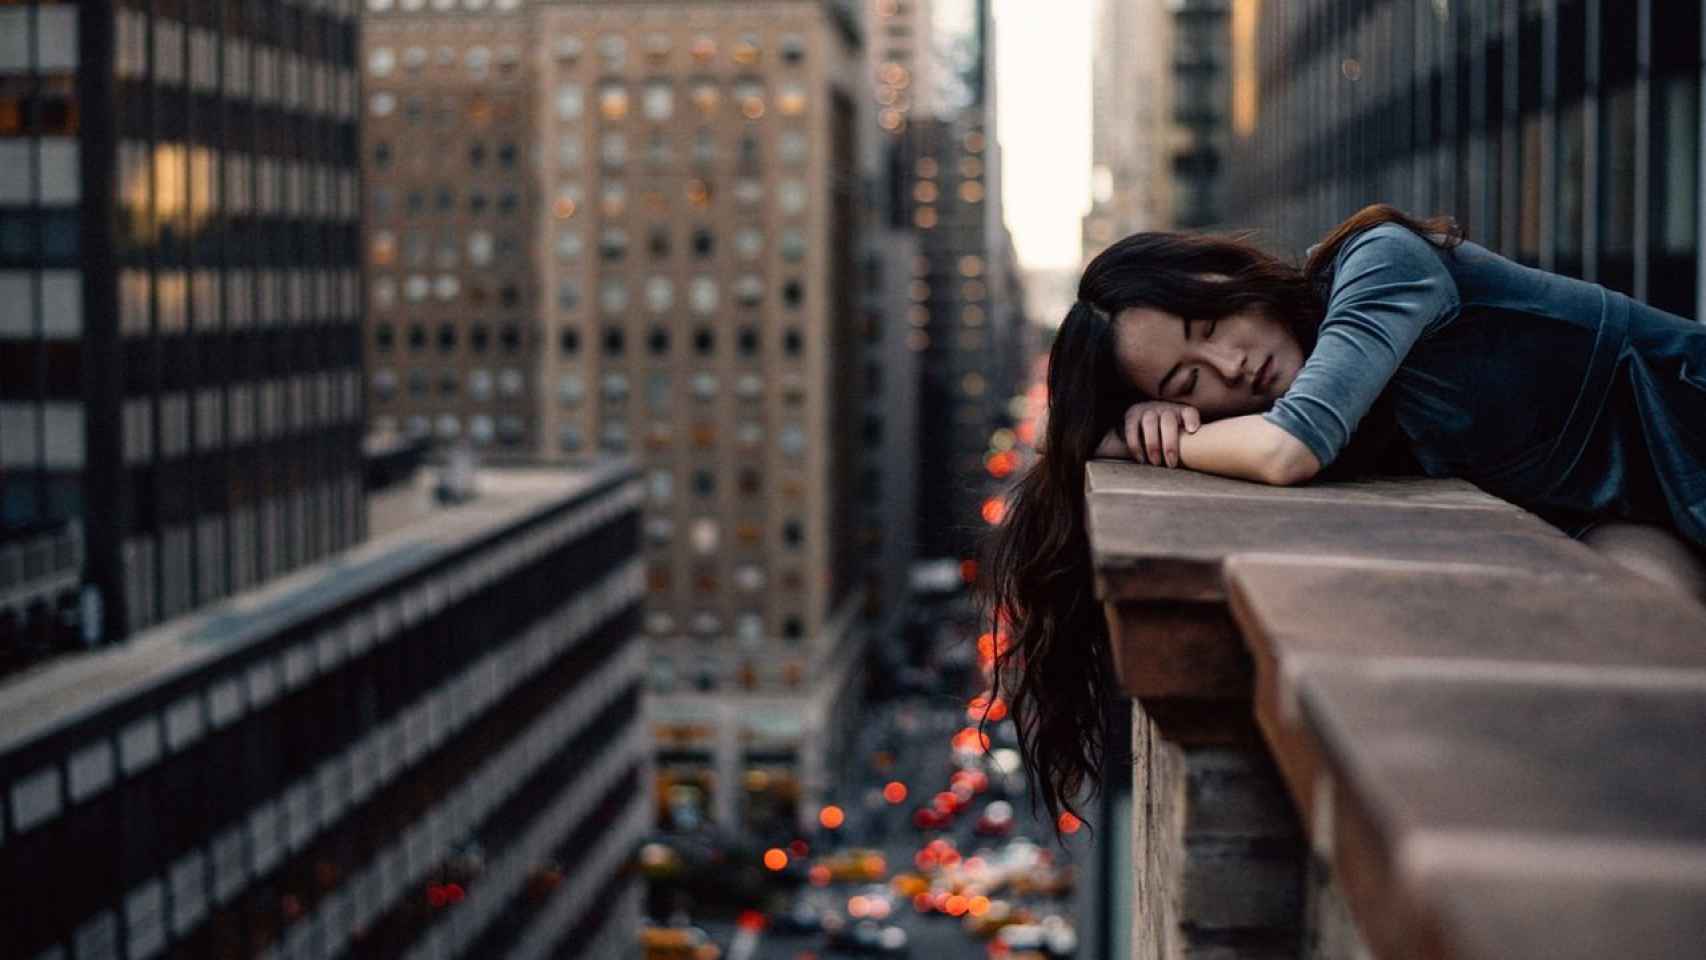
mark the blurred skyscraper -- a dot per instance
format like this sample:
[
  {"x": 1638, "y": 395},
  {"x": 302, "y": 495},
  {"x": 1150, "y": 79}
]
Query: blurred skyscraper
[
  {"x": 1131, "y": 173},
  {"x": 967, "y": 308},
  {"x": 1563, "y": 134},
  {"x": 179, "y": 308},
  {"x": 615, "y": 227},
  {"x": 433, "y": 744}
]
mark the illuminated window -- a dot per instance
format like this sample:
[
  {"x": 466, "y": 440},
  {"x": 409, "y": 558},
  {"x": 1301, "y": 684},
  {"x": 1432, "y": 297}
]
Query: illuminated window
[
  {"x": 750, "y": 95},
  {"x": 703, "y": 49},
  {"x": 746, "y": 50},
  {"x": 706, "y": 96},
  {"x": 791, "y": 101},
  {"x": 749, "y": 243},
  {"x": 613, "y": 101}
]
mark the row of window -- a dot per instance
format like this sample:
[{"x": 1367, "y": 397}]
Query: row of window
[
  {"x": 747, "y": 241},
  {"x": 245, "y": 298},
  {"x": 192, "y": 56},
  {"x": 176, "y": 183},
  {"x": 703, "y": 297},
  {"x": 247, "y": 411},
  {"x": 748, "y": 343},
  {"x": 704, "y": 385}
]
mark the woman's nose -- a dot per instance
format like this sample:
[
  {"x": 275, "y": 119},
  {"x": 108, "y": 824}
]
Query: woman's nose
[{"x": 1228, "y": 362}]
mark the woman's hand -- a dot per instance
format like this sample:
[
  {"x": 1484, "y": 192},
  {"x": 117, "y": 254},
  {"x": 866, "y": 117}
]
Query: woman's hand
[{"x": 1152, "y": 430}]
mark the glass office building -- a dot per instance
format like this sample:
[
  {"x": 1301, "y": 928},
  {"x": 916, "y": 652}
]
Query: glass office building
[
  {"x": 1561, "y": 133},
  {"x": 180, "y": 292}
]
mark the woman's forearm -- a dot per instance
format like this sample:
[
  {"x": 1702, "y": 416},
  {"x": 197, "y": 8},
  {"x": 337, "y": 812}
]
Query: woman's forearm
[{"x": 1249, "y": 448}]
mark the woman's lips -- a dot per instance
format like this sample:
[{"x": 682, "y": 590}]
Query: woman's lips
[{"x": 1264, "y": 376}]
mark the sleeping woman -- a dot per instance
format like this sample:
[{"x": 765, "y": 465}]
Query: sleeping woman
[{"x": 1399, "y": 346}]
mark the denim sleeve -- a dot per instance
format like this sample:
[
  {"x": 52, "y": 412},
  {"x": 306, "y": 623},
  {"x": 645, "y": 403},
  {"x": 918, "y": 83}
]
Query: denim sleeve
[{"x": 1389, "y": 288}]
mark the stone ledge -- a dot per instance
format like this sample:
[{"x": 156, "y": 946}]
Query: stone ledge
[{"x": 1443, "y": 681}]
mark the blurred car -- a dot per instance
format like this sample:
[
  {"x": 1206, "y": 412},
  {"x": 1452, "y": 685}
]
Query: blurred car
[
  {"x": 997, "y": 820},
  {"x": 677, "y": 943},
  {"x": 999, "y": 915},
  {"x": 869, "y": 938},
  {"x": 799, "y": 917},
  {"x": 909, "y": 884},
  {"x": 855, "y": 865}
]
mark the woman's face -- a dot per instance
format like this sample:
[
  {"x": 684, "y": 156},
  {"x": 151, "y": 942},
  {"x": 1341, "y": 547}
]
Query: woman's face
[{"x": 1224, "y": 366}]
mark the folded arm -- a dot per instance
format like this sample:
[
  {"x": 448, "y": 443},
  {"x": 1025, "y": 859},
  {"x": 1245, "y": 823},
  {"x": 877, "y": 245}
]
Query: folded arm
[{"x": 1248, "y": 447}]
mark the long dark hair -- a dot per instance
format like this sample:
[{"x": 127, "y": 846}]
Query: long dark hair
[{"x": 1052, "y": 663}]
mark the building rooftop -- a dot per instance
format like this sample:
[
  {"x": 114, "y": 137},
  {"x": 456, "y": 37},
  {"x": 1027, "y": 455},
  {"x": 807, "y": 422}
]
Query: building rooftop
[{"x": 417, "y": 534}]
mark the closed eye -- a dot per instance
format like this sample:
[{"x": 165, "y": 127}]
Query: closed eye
[{"x": 1190, "y": 384}]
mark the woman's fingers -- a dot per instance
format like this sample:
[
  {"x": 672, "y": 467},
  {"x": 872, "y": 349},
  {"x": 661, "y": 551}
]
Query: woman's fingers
[
  {"x": 1134, "y": 434},
  {"x": 1170, "y": 423},
  {"x": 1152, "y": 436},
  {"x": 1193, "y": 419}
]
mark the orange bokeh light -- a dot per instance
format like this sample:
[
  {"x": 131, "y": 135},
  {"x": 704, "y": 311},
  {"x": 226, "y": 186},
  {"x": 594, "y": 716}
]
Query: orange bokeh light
[
  {"x": 977, "y": 906},
  {"x": 894, "y": 792},
  {"x": 985, "y": 707},
  {"x": 775, "y": 858},
  {"x": 994, "y": 511},
  {"x": 956, "y": 906},
  {"x": 831, "y": 817},
  {"x": 1069, "y": 823},
  {"x": 970, "y": 738},
  {"x": 818, "y": 876},
  {"x": 968, "y": 571}
]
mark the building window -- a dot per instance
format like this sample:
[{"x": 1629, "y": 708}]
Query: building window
[
  {"x": 658, "y": 341},
  {"x": 746, "y": 341},
  {"x": 569, "y": 342},
  {"x": 660, "y": 293},
  {"x": 659, "y": 101},
  {"x": 613, "y": 341},
  {"x": 704, "y": 244},
  {"x": 613, "y": 101},
  {"x": 702, "y": 295},
  {"x": 571, "y": 389},
  {"x": 749, "y": 243},
  {"x": 447, "y": 337}
]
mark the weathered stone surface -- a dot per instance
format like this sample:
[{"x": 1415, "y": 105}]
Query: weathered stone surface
[
  {"x": 1468, "y": 619},
  {"x": 1151, "y": 548},
  {"x": 1172, "y": 649},
  {"x": 1559, "y": 916},
  {"x": 1440, "y": 773},
  {"x": 1333, "y": 607},
  {"x": 1121, "y": 477}
]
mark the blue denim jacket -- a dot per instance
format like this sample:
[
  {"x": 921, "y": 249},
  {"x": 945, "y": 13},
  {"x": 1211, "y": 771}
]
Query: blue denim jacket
[{"x": 1559, "y": 395}]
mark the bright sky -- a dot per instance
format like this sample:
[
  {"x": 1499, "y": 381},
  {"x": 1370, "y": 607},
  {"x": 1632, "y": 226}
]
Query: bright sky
[{"x": 1042, "y": 77}]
